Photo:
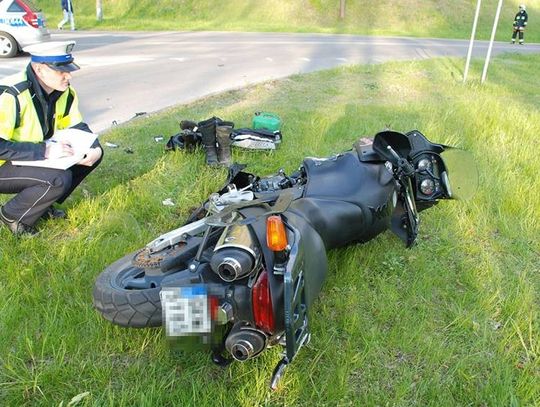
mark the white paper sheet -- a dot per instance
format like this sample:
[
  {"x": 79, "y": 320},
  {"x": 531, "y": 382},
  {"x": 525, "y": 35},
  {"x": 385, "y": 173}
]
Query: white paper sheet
[{"x": 80, "y": 141}]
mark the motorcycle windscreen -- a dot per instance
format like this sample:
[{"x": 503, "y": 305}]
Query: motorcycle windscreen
[{"x": 461, "y": 176}]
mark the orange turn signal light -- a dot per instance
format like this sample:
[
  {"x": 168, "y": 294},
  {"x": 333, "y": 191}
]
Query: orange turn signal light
[{"x": 276, "y": 237}]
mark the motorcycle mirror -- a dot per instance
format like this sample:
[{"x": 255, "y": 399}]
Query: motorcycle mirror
[{"x": 398, "y": 142}]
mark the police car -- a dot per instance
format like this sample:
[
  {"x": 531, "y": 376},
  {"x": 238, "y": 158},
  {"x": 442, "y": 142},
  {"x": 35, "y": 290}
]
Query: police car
[{"x": 21, "y": 23}]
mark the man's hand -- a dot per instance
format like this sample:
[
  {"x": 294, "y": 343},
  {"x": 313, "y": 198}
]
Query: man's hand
[
  {"x": 58, "y": 149},
  {"x": 91, "y": 157}
]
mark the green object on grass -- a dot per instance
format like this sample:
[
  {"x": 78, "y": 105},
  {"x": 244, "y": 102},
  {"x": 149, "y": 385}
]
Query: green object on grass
[{"x": 267, "y": 121}]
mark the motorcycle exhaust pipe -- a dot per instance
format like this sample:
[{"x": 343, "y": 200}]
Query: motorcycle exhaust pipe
[
  {"x": 236, "y": 255},
  {"x": 244, "y": 342}
]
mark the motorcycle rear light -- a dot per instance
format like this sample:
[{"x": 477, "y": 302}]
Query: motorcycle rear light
[
  {"x": 276, "y": 238},
  {"x": 214, "y": 307},
  {"x": 263, "y": 311}
]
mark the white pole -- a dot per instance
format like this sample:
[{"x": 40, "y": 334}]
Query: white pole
[
  {"x": 488, "y": 56},
  {"x": 473, "y": 34}
]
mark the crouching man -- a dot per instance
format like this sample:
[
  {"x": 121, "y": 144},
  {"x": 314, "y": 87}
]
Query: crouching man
[{"x": 33, "y": 105}]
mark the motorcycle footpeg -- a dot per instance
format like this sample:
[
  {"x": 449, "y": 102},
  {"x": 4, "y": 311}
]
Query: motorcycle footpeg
[{"x": 278, "y": 373}]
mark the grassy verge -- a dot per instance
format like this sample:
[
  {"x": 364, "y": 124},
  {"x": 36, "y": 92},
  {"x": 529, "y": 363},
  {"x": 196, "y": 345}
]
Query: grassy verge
[
  {"x": 426, "y": 18},
  {"x": 453, "y": 321}
]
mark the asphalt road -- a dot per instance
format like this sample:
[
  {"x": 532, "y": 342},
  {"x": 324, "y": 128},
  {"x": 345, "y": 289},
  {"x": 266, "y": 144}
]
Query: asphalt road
[{"x": 124, "y": 73}]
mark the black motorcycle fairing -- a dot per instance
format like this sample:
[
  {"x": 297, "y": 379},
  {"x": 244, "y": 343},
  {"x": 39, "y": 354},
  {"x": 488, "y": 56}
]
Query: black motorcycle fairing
[
  {"x": 338, "y": 223},
  {"x": 303, "y": 278},
  {"x": 404, "y": 153},
  {"x": 344, "y": 208},
  {"x": 311, "y": 250},
  {"x": 275, "y": 281},
  {"x": 307, "y": 241},
  {"x": 398, "y": 142},
  {"x": 365, "y": 151},
  {"x": 429, "y": 168},
  {"x": 419, "y": 143}
]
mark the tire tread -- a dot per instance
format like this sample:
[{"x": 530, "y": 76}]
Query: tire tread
[{"x": 126, "y": 308}]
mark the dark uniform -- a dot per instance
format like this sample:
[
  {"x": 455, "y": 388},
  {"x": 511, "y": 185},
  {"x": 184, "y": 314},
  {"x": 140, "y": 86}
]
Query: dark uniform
[
  {"x": 520, "y": 22},
  {"x": 26, "y": 120}
]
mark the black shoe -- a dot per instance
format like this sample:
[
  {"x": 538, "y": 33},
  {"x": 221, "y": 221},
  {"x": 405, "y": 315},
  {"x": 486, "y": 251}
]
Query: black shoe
[
  {"x": 17, "y": 228},
  {"x": 53, "y": 213}
]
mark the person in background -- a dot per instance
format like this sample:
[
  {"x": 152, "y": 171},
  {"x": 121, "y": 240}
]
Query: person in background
[
  {"x": 33, "y": 105},
  {"x": 67, "y": 9},
  {"x": 520, "y": 22}
]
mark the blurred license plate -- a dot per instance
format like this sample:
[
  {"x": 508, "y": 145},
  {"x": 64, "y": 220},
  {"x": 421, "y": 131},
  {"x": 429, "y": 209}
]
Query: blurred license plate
[{"x": 185, "y": 310}]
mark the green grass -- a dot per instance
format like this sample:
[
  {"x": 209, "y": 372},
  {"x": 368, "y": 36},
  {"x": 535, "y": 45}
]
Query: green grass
[
  {"x": 453, "y": 321},
  {"x": 426, "y": 18}
]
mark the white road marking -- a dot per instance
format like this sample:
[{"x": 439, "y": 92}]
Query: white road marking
[
  {"x": 269, "y": 59},
  {"x": 112, "y": 60},
  {"x": 305, "y": 59},
  {"x": 375, "y": 41},
  {"x": 179, "y": 59},
  {"x": 342, "y": 59}
]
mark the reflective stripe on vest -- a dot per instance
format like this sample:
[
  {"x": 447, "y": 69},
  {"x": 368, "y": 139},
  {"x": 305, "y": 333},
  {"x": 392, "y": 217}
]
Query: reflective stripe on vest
[{"x": 66, "y": 113}]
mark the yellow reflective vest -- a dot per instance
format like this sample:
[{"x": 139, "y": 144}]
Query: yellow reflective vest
[{"x": 29, "y": 126}]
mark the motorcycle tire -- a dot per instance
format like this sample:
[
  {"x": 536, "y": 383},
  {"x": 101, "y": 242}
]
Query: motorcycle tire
[{"x": 131, "y": 308}]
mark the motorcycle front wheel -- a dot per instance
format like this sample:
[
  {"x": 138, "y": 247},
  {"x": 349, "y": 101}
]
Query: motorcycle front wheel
[{"x": 125, "y": 296}]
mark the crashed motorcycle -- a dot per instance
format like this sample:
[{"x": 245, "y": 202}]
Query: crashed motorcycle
[{"x": 244, "y": 271}]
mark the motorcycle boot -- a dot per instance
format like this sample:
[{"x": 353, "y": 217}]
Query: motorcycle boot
[
  {"x": 223, "y": 136},
  {"x": 207, "y": 128}
]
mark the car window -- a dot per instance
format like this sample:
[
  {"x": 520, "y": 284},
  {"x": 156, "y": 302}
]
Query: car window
[{"x": 15, "y": 8}]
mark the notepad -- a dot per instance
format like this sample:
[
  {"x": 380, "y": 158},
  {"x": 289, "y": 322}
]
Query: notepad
[{"x": 81, "y": 142}]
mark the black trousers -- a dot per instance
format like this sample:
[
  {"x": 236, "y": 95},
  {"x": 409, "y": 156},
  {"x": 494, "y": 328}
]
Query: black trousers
[
  {"x": 37, "y": 189},
  {"x": 519, "y": 32}
]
